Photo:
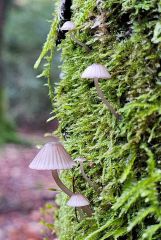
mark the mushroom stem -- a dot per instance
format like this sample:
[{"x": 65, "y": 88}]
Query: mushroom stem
[
  {"x": 60, "y": 184},
  {"x": 80, "y": 43},
  {"x": 55, "y": 175},
  {"x": 86, "y": 178},
  {"x": 104, "y": 100}
]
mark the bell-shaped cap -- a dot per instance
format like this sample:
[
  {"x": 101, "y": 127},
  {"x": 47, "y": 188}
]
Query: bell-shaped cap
[
  {"x": 78, "y": 200},
  {"x": 52, "y": 156},
  {"x": 80, "y": 159},
  {"x": 96, "y": 71},
  {"x": 67, "y": 26}
]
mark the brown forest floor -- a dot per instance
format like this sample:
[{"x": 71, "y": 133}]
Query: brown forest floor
[{"x": 22, "y": 192}]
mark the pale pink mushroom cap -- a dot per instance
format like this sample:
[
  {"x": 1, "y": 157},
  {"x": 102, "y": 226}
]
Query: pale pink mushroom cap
[
  {"x": 52, "y": 156},
  {"x": 78, "y": 200},
  {"x": 68, "y": 25},
  {"x": 96, "y": 71},
  {"x": 80, "y": 159}
]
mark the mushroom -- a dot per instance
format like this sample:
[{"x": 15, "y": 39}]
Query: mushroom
[
  {"x": 78, "y": 200},
  {"x": 81, "y": 160},
  {"x": 97, "y": 71},
  {"x": 54, "y": 157},
  {"x": 69, "y": 26}
]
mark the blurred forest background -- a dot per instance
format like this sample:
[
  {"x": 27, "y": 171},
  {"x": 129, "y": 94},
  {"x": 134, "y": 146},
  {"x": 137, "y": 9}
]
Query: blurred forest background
[
  {"x": 24, "y": 102},
  {"x": 24, "y": 109}
]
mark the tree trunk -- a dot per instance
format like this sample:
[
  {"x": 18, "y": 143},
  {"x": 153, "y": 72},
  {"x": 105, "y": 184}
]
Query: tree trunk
[{"x": 124, "y": 156}]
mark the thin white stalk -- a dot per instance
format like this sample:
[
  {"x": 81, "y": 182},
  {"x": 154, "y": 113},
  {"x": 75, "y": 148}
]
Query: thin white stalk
[
  {"x": 80, "y": 43},
  {"x": 55, "y": 175},
  {"x": 60, "y": 184},
  {"x": 105, "y": 101}
]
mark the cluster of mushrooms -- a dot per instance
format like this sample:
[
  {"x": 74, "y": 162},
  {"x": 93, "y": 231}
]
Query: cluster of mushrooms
[
  {"x": 95, "y": 71},
  {"x": 53, "y": 155}
]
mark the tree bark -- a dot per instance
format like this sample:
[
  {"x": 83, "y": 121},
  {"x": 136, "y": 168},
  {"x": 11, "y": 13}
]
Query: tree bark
[{"x": 65, "y": 15}]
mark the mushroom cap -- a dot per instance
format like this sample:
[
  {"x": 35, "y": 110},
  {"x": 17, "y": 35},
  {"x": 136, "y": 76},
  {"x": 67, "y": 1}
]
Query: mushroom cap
[
  {"x": 80, "y": 159},
  {"x": 78, "y": 200},
  {"x": 52, "y": 156},
  {"x": 96, "y": 71},
  {"x": 67, "y": 26}
]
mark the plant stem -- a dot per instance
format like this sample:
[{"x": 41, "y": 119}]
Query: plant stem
[
  {"x": 75, "y": 209},
  {"x": 104, "y": 100},
  {"x": 55, "y": 175},
  {"x": 85, "y": 177},
  {"x": 80, "y": 43}
]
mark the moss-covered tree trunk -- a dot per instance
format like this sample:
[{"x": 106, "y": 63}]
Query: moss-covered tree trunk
[{"x": 123, "y": 157}]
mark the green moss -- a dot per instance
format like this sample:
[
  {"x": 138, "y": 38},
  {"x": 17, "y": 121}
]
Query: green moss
[{"x": 125, "y": 154}]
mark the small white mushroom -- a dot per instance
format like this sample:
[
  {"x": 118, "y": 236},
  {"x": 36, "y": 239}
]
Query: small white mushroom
[
  {"x": 54, "y": 157},
  {"x": 77, "y": 200},
  {"x": 97, "y": 71},
  {"x": 69, "y": 26}
]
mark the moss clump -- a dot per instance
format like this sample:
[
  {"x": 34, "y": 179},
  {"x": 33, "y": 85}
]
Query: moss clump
[{"x": 125, "y": 155}]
